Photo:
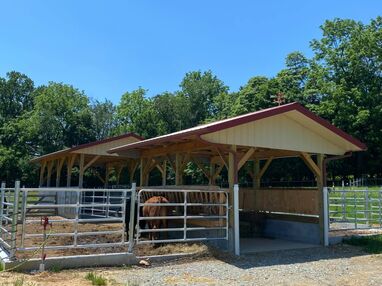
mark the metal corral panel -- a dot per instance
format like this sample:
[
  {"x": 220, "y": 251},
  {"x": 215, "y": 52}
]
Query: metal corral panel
[{"x": 288, "y": 131}]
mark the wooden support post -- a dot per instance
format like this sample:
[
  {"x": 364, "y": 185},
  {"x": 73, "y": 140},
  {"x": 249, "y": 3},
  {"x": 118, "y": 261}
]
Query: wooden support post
[
  {"x": 164, "y": 172},
  {"x": 133, "y": 165},
  {"x": 178, "y": 169},
  {"x": 60, "y": 163},
  {"x": 256, "y": 172},
  {"x": 146, "y": 166},
  {"x": 107, "y": 175},
  {"x": 320, "y": 187},
  {"x": 232, "y": 180},
  {"x": 69, "y": 167},
  {"x": 49, "y": 175},
  {"x": 118, "y": 170},
  {"x": 42, "y": 172},
  {"x": 81, "y": 174},
  {"x": 211, "y": 179},
  {"x": 141, "y": 170}
]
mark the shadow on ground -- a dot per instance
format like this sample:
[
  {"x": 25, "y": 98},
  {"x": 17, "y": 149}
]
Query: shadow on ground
[{"x": 273, "y": 258}]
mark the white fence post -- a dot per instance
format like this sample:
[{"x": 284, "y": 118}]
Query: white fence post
[
  {"x": 367, "y": 213},
  {"x": 2, "y": 208},
  {"x": 326, "y": 216},
  {"x": 14, "y": 219},
  {"x": 132, "y": 215},
  {"x": 236, "y": 218}
]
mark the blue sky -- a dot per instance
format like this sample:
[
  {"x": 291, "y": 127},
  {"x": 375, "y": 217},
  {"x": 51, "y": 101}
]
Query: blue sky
[{"x": 108, "y": 47}]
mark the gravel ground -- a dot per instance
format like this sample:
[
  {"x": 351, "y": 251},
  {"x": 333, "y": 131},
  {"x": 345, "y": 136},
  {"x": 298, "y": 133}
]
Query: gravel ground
[{"x": 336, "y": 265}]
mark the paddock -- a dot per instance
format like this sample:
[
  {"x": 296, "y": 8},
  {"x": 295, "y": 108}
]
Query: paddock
[{"x": 221, "y": 212}]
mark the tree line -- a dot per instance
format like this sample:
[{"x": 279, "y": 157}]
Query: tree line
[{"x": 341, "y": 82}]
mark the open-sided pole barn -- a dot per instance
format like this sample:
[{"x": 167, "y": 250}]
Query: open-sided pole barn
[
  {"x": 83, "y": 157},
  {"x": 285, "y": 131},
  {"x": 248, "y": 142}
]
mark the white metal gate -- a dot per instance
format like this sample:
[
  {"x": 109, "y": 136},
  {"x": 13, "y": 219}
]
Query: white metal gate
[
  {"x": 192, "y": 215},
  {"x": 355, "y": 209}
]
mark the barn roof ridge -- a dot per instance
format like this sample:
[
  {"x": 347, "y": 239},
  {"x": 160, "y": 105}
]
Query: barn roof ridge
[
  {"x": 89, "y": 144},
  {"x": 242, "y": 119}
]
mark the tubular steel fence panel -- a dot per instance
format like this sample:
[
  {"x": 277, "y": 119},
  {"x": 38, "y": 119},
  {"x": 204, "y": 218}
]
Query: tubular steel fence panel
[
  {"x": 355, "y": 209},
  {"x": 197, "y": 215},
  {"x": 79, "y": 219}
]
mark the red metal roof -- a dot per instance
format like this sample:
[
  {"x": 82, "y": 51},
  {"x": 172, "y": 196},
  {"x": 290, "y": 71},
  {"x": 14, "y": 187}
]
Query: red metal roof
[
  {"x": 86, "y": 145},
  {"x": 238, "y": 120}
]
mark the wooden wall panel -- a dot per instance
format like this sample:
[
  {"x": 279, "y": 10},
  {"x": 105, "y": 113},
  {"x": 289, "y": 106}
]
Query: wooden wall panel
[
  {"x": 281, "y": 132},
  {"x": 300, "y": 201}
]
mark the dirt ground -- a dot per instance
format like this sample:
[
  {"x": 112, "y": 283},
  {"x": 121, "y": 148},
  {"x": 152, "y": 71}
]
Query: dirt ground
[
  {"x": 68, "y": 227},
  {"x": 336, "y": 265}
]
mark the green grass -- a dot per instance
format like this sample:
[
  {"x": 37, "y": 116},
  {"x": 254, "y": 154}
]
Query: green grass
[
  {"x": 97, "y": 280},
  {"x": 55, "y": 269},
  {"x": 19, "y": 282},
  {"x": 370, "y": 244}
]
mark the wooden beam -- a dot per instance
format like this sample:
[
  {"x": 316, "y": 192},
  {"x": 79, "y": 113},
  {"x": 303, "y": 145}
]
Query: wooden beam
[
  {"x": 311, "y": 164},
  {"x": 172, "y": 164},
  {"x": 91, "y": 162},
  {"x": 146, "y": 166},
  {"x": 69, "y": 167},
  {"x": 212, "y": 173},
  {"x": 232, "y": 167},
  {"x": 49, "y": 175},
  {"x": 256, "y": 179},
  {"x": 201, "y": 167},
  {"x": 60, "y": 164},
  {"x": 217, "y": 172},
  {"x": 107, "y": 175},
  {"x": 164, "y": 173},
  {"x": 99, "y": 176},
  {"x": 118, "y": 169},
  {"x": 320, "y": 186},
  {"x": 81, "y": 174},
  {"x": 175, "y": 148},
  {"x": 265, "y": 167},
  {"x": 185, "y": 160},
  {"x": 221, "y": 155},
  {"x": 42, "y": 172},
  {"x": 245, "y": 158},
  {"x": 132, "y": 167}
]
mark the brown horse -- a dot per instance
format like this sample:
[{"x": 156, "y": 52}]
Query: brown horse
[{"x": 156, "y": 211}]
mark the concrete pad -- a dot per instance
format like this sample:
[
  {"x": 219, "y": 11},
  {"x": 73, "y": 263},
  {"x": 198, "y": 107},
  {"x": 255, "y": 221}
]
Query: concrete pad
[
  {"x": 260, "y": 244},
  {"x": 64, "y": 262}
]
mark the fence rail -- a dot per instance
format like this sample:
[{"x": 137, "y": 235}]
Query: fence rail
[
  {"x": 355, "y": 209},
  {"x": 79, "y": 218},
  {"x": 209, "y": 206}
]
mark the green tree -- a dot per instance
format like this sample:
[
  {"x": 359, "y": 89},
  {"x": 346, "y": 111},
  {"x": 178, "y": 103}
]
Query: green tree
[
  {"x": 104, "y": 118},
  {"x": 348, "y": 80},
  {"x": 16, "y": 96},
  {"x": 61, "y": 118},
  {"x": 201, "y": 89}
]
